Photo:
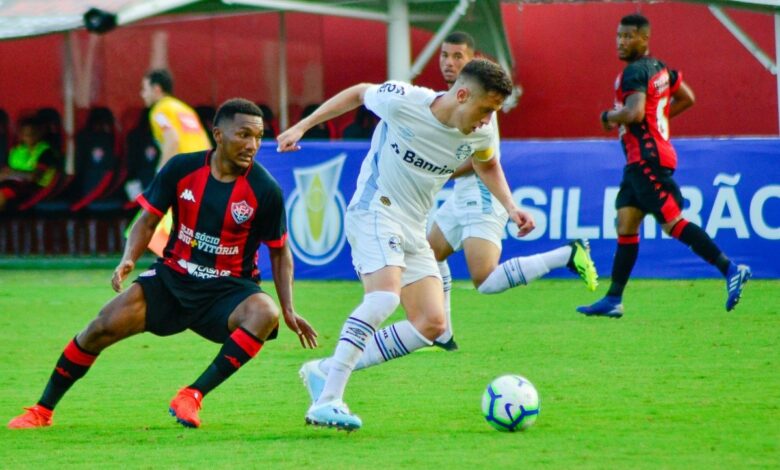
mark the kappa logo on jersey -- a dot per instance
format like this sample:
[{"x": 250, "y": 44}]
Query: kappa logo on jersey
[
  {"x": 316, "y": 211},
  {"x": 241, "y": 211},
  {"x": 464, "y": 151},
  {"x": 187, "y": 195}
]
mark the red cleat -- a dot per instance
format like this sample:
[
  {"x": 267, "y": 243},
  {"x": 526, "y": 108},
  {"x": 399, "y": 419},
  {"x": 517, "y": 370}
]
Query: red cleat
[
  {"x": 185, "y": 406},
  {"x": 34, "y": 417}
]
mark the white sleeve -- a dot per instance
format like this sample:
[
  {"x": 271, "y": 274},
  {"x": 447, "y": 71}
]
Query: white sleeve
[{"x": 382, "y": 99}]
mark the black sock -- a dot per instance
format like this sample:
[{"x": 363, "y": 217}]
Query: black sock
[
  {"x": 700, "y": 243},
  {"x": 73, "y": 363},
  {"x": 239, "y": 348},
  {"x": 625, "y": 258}
]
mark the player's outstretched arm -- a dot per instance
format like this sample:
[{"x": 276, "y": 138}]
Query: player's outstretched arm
[
  {"x": 140, "y": 234},
  {"x": 492, "y": 174},
  {"x": 342, "y": 102},
  {"x": 282, "y": 269}
]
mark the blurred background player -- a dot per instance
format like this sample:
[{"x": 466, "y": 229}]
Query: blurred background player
[
  {"x": 386, "y": 218},
  {"x": 176, "y": 128},
  {"x": 472, "y": 220},
  {"x": 211, "y": 286},
  {"x": 648, "y": 94}
]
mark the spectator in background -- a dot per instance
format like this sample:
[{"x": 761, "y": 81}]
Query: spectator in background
[
  {"x": 269, "y": 130},
  {"x": 363, "y": 125},
  {"x": 4, "y": 140},
  {"x": 142, "y": 157},
  {"x": 177, "y": 129},
  {"x": 320, "y": 131},
  {"x": 32, "y": 165}
]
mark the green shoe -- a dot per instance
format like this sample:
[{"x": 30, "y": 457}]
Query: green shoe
[{"x": 581, "y": 263}]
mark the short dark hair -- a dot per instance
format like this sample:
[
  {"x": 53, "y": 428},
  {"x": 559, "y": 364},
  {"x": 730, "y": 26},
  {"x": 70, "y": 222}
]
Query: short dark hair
[
  {"x": 635, "y": 19},
  {"x": 233, "y": 106},
  {"x": 161, "y": 78},
  {"x": 489, "y": 75},
  {"x": 460, "y": 37}
]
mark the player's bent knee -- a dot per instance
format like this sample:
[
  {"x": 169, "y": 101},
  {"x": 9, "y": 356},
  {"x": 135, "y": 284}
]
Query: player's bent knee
[{"x": 259, "y": 315}]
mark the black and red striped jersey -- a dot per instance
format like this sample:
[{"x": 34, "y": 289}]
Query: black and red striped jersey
[
  {"x": 217, "y": 227},
  {"x": 649, "y": 139}
]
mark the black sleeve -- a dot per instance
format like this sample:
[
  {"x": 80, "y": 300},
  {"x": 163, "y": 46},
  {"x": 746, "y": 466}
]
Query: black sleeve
[
  {"x": 635, "y": 78},
  {"x": 274, "y": 225},
  {"x": 161, "y": 194}
]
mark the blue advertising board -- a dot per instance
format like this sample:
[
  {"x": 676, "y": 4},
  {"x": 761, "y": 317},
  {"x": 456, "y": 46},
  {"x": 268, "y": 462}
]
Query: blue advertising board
[{"x": 731, "y": 189}]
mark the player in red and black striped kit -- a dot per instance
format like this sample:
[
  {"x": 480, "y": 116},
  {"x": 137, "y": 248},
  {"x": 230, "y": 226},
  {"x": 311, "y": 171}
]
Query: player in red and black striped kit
[
  {"x": 224, "y": 206},
  {"x": 647, "y": 95}
]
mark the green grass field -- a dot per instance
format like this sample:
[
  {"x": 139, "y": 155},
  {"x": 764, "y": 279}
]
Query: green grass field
[{"x": 676, "y": 383}]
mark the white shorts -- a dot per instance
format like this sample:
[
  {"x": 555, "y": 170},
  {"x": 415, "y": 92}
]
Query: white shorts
[
  {"x": 377, "y": 240},
  {"x": 459, "y": 219}
]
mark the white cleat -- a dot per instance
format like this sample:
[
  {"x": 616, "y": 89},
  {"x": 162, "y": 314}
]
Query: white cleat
[
  {"x": 313, "y": 378},
  {"x": 333, "y": 414}
]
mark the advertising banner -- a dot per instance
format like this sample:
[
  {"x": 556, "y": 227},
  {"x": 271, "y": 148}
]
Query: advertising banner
[{"x": 731, "y": 189}]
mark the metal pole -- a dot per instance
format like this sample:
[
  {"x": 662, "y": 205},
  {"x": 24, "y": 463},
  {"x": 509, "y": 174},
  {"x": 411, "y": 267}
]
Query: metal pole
[
  {"x": 435, "y": 42},
  {"x": 399, "y": 48},
  {"x": 284, "y": 112},
  {"x": 68, "y": 119}
]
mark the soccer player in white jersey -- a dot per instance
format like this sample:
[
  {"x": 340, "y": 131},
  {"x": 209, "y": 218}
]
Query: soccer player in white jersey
[
  {"x": 472, "y": 220},
  {"x": 422, "y": 138}
]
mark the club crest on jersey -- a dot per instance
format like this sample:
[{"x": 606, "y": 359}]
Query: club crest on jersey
[
  {"x": 241, "y": 211},
  {"x": 464, "y": 151}
]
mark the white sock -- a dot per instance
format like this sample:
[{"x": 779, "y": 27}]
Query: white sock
[
  {"x": 556, "y": 258},
  {"x": 515, "y": 272},
  {"x": 391, "y": 342},
  {"x": 357, "y": 332},
  {"x": 446, "y": 278}
]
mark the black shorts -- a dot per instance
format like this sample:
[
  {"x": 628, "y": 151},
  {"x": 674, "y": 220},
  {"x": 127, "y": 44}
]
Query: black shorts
[
  {"x": 651, "y": 189},
  {"x": 175, "y": 302}
]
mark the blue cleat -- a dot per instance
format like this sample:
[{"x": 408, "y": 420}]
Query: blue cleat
[
  {"x": 313, "y": 378},
  {"x": 333, "y": 414},
  {"x": 607, "y": 307},
  {"x": 736, "y": 278}
]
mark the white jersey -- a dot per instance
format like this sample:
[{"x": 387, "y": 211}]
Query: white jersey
[
  {"x": 470, "y": 187},
  {"x": 412, "y": 153}
]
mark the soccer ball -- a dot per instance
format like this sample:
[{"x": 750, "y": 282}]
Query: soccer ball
[{"x": 510, "y": 403}]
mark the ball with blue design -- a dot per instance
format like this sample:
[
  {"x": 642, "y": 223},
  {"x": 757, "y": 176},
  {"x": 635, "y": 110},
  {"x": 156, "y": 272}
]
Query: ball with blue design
[{"x": 510, "y": 403}]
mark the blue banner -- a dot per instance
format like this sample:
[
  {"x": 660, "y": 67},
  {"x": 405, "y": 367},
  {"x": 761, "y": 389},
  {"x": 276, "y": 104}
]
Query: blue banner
[{"x": 731, "y": 189}]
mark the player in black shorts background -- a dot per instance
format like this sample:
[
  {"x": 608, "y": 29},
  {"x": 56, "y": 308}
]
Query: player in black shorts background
[
  {"x": 224, "y": 206},
  {"x": 647, "y": 95}
]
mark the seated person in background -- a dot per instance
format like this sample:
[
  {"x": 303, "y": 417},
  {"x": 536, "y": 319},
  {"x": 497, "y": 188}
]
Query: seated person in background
[
  {"x": 32, "y": 165},
  {"x": 363, "y": 125},
  {"x": 142, "y": 157},
  {"x": 320, "y": 131},
  {"x": 269, "y": 130}
]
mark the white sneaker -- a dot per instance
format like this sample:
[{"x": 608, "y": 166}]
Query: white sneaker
[{"x": 333, "y": 414}]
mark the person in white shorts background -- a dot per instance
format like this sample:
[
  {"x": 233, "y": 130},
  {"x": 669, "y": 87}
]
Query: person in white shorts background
[
  {"x": 472, "y": 220},
  {"x": 423, "y": 136}
]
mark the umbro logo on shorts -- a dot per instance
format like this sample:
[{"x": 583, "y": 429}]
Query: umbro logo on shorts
[{"x": 187, "y": 195}]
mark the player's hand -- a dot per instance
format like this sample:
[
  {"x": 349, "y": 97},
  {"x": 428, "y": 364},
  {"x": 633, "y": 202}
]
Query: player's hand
[
  {"x": 288, "y": 140},
  {"x": 606, "y": 125},
  {"x": 120, "y": 273},
  {"x": 525, "y": 223},
  {"x": 306, "y": 333}
]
